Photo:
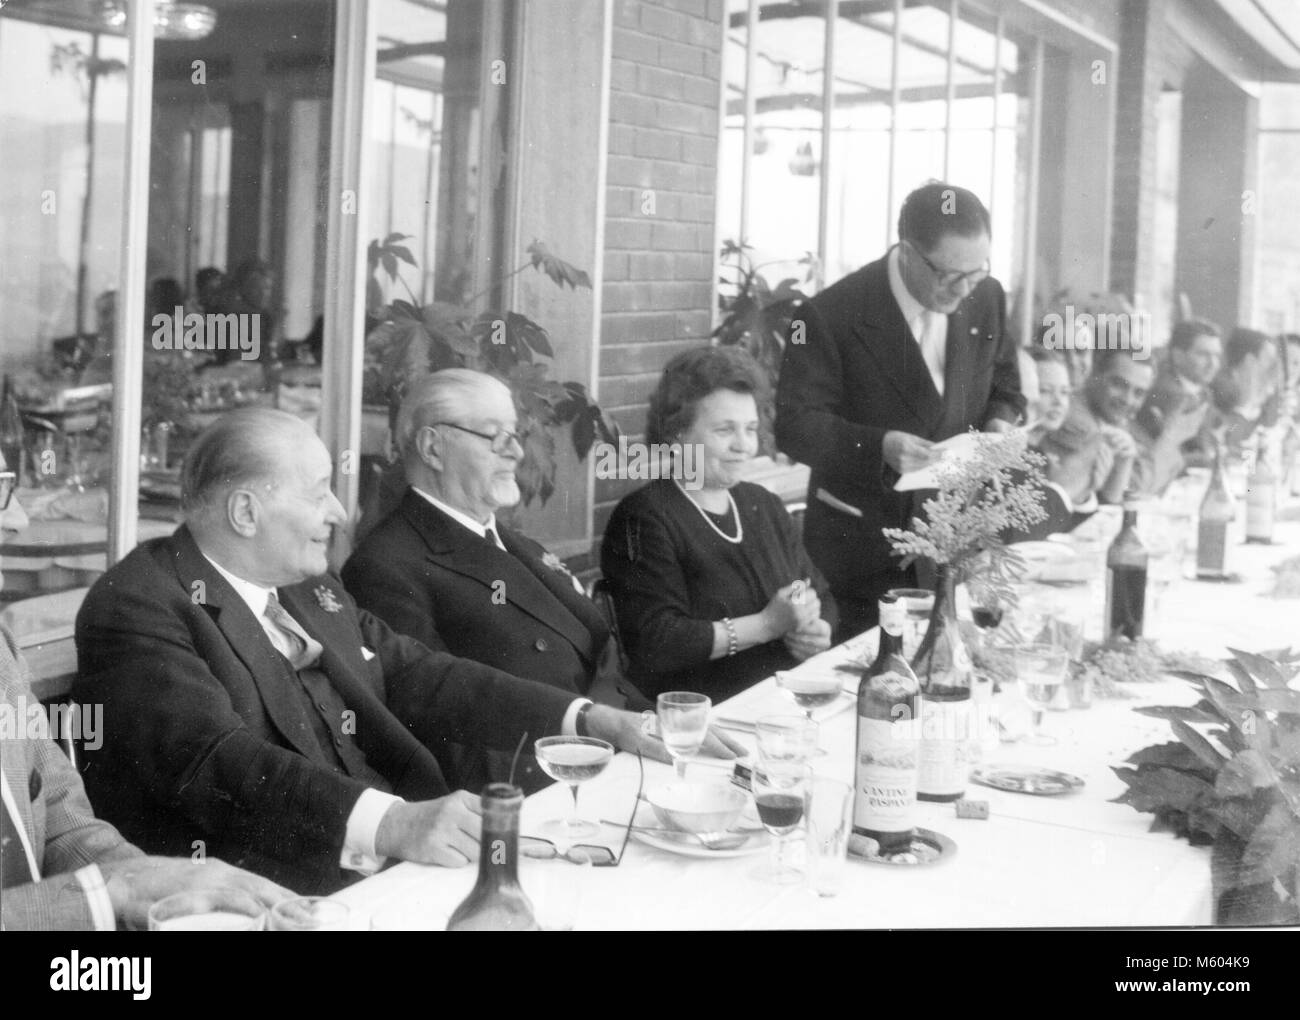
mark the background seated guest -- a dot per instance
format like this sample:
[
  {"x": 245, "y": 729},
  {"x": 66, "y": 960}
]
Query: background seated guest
[
  {"x": 209, "y": 283},
  {"x": 1091, "y": 453},
  {"x": 61, "y": 868},
  {"x": 249, "y": 292},
  {"x": 1169, "y": 428},
  {"x": 249, "y": 705},
  {"x": 444, "y": 570},
  {"x": 713, "y": 587},
  {"x": 1245, "y": 387}
]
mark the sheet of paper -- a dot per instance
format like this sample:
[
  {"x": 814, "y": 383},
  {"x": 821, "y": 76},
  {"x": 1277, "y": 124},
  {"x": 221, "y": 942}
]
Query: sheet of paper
[{"x": 957, "y": 448}]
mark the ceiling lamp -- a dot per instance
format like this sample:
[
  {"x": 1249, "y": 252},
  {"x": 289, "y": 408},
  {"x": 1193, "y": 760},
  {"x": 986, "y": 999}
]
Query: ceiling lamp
[{"x": 172, "y": 21}]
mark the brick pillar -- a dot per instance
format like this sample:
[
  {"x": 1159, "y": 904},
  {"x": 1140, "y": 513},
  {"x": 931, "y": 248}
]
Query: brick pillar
[{"x": 659, "y": 231}]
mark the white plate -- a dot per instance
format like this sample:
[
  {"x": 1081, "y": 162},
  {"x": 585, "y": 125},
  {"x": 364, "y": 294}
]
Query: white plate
[{"x": 758, "y": 841}]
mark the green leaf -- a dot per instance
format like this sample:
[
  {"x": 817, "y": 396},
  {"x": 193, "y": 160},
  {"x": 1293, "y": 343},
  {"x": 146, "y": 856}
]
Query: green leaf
[
  {"x": 1154, "y": 788},
  {"x": 1260, "y": 666},
  {"x": 1197, "y": 744},
  {"x": 1283, "y": 700},
  {"x": 1273, "y": 849},
  {"x": 403, "y": 253},
  {"x": 1237, "y": 814},
  {"x": 1246, "y": 772},
  {"x": 1186, "y": 713},
  {"x": 1244, "y": 680},
  {"x": 584, "y": 434},
  {"x": 1174, "y": 755},
  {"x": 556, "y": 268}
]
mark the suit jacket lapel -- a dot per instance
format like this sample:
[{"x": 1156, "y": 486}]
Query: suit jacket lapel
[
  {"x": 456, "y": 548},
  {"x": 576, "y": 617},
  {"x": 231, "y": 614},
  {"x": 897, "y": 354}
]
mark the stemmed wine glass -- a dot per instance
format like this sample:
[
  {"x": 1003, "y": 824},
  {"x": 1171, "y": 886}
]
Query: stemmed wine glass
[
  {"x": 779, "y": 788},
  {"x": 809, "y": 690},
  {"x": 786, "y": 738},
  {"x": 683, "y": 724},
  {"x": 1041, "y": 669},
  {"x": 572, "y": 760}
]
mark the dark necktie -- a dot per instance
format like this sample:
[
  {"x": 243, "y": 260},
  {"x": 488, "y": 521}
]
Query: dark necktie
[{"x": 490, "y": 537}]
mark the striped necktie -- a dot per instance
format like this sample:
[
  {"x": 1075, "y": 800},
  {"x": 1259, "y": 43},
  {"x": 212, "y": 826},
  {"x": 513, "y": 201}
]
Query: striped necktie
[{"x": 295, "y": 644}]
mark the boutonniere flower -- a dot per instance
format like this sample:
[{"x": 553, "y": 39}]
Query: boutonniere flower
[
  {"x": 555, "y": 563},
  {"x": 327, "y": 600}
]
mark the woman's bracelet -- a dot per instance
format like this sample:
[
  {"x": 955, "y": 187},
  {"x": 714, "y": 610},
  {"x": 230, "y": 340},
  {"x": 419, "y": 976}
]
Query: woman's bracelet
[{"x": 733, "y": 643}]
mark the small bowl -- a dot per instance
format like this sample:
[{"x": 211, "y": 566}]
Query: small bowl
[{"x": 697, "y": 807}]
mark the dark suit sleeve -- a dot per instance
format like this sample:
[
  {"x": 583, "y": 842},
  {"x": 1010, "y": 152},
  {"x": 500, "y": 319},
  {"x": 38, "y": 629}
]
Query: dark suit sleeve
[
  {"x": 809, "y": 395},
  {"x": 445, "y": 700},
  {"x": 651, "y": 592},
  {"x": 174, "y": 731},
  {"x": 396, "y": 593},
  {"x": 1006, "y": 402}
]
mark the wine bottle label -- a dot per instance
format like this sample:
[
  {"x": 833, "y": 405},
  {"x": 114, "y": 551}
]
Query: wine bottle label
[
  {"x": 885, "y": 792},
  {"x": 1261, "y": 509},
  {"x": 945, "y": 729},
  {"x": 1212, "y": 548}
]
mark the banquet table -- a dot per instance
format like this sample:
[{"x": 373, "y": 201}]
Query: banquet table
[{"x": 1075, "y": 860}]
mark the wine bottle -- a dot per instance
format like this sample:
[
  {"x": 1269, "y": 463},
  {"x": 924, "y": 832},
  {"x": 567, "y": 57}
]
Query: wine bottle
[
  {"x": 1126, "y": 578},
  {"x": 11, "y": 431},
  {"x": 1261, "y": 495},
  {"x": 1218, "y": 509},
  {"x": 943, "y": 668},
  {"x": 497, "y": 903},
  {"x": 884, "y": 793}
]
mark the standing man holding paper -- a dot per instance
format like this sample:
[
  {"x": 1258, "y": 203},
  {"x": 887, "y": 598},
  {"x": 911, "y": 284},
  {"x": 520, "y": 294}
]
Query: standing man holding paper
[{"x": 903, "y": 353}]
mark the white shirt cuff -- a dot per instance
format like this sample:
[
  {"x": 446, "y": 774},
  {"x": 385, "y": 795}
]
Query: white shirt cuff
[
  {"x": 97, "y": 898},
  {"x": 363, "y": 825},
  {"x": 569, "y": 728}
]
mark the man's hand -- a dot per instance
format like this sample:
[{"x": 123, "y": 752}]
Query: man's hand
[
  {"x": 444, "y": 831},
  {"x": 623, "y": 730},
  {"x": 1121, "y": 443},
  {"x": 137, "y": 883},
  {"x": 807, "y": 641},
  {"x": 905, "y": 452}
]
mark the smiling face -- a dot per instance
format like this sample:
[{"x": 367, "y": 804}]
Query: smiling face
[
  {"x": 294, "y": 517},
  {"x": 725, "y": 430},
  {"x": 1053, "y": 394},
  {"x": 953, "y": 254},
  {"x": 466, "y": 473},
  {"x": 1198, "y": 362},
  {"x": 1116, "y": 392}
]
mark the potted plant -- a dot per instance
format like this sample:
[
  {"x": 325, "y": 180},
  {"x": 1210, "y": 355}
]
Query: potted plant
[
  {"x": 756, "y": 314},
  {"x": 1232, "y": 781},
  {"x": 412, "y": 339}
]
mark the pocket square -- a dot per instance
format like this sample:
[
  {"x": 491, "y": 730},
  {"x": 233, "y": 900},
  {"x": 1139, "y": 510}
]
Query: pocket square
[{"x": 366, "y": 653}]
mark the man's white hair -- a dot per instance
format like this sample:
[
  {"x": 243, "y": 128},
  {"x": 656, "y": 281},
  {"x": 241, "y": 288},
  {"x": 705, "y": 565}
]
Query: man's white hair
[{"x": 450, "y": 395}]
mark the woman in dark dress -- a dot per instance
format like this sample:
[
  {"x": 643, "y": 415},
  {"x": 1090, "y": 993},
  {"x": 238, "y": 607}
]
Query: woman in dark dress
[{"x": 712, "y": 587}]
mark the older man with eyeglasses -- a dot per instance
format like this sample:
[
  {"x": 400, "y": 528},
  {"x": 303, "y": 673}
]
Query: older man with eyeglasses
[
  {"x": 443, "y": 569},
  {"x": 907, "y": 351}
]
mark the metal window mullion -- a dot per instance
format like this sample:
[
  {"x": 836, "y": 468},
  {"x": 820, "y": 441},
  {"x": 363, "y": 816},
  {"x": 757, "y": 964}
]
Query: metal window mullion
[
  {"x": 895, "y": 95},
  {"x": 1031, "y": 196},
  {"x": 828, "y": 114},
  {"x": 128, "y": 354},
  {"x": 951, "y": 89},
  {"x": 751, "y": 110},
  {"x": 997, "y": 102},
  {"x": 345, "y": 257}
]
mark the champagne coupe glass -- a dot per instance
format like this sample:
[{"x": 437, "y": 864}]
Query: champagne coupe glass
[
  {"x": 572, "y": 760},
  {"x": 1041, "y": 669},
  {"x": 683, "y": 724},
  {"x": 779, "y": 788},
  {"x": 809, "y": 690}
]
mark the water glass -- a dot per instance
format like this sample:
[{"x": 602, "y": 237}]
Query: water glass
[
  {"x": 828, "y": 814},
  {"x": 786, "y": 738},
  {"x": 208, "y": 910},
  {"x": 1041, "y": 669},
  {"x": 309, "y": 913},
  {"x": 556, "y": 888},
  {"x": 683, "y": 724}
]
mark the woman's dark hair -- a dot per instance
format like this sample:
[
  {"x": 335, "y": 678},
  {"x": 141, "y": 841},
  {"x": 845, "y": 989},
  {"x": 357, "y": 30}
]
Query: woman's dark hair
[
  {"x": 1242, "y": 343},
  {"x": 689, "y": 378},
  {"x": 1185, "y": 333},
  {"x": 935, "y": 210}
]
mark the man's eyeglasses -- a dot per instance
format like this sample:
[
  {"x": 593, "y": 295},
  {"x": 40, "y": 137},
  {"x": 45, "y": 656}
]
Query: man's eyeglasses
[
  {"x": 949, "y": 278},
  {"x": 500, "y": 440},
  {"x": 600, "y": 856},
  {"x": 8, "y": 482}
]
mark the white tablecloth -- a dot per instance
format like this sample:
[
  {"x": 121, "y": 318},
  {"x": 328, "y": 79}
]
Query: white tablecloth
[{"x": 1077, "y": 860}]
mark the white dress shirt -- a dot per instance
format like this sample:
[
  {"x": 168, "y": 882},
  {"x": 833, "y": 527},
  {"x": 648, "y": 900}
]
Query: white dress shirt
[
  {"x": 363, "y": 823},
  {"x": 569, "y": 726},
  {"x": 929, "y": 328}
]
